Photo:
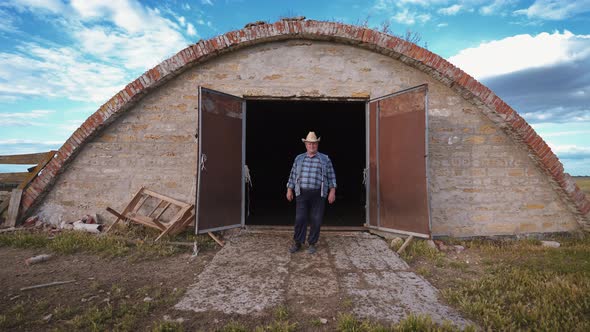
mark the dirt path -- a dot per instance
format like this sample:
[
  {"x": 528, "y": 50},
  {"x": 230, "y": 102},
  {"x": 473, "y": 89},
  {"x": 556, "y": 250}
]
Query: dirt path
[
  {"x": 101, "y": 285},
  {"x": 254, "y": 273}
]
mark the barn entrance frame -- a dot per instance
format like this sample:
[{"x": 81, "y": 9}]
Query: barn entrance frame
[{"x": 396, "y": 160}]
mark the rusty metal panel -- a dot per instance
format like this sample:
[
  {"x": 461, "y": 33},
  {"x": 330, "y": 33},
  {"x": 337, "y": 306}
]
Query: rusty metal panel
[
  {"x": 372, "y": 212},
  {"x": 402, "y": 193},
  {"x": 221, "y": 154}
]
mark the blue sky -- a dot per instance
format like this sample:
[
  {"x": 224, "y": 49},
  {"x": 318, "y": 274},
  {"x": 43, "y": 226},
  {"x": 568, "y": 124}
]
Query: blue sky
[{"x": 60, "y": 60}]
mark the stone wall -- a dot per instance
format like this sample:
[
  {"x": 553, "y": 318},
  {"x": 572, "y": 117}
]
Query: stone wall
[{"x": 481, "y": 181}]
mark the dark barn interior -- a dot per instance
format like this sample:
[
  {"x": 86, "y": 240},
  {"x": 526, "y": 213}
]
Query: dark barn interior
[{"x": 273, "y": 138}]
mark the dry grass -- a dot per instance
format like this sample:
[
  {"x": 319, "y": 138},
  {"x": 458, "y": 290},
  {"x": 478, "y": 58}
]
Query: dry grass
[
  {"x": 133, "y": 242},
  {"x": 125, "y": 311},
  {"x": 516, "y": 284}
]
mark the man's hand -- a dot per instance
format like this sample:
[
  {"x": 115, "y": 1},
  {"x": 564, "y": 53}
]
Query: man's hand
[
  {"x": 289, "y": 194},
  {"x": 332, "y": 195}
]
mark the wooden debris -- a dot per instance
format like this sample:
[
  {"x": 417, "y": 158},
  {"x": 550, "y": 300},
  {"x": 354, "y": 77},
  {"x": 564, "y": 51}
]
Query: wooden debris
[
  {"x": 14, "y": 207},
  {"x": 55, "y": 283},
  {"x": 8, "y": 230},
  {"x": 22, "y": 159},
  {"x": 41, "y": 159},
  {"x": 38, "y": 259},
  {"x": 133, "y": 213},
  {"x": 216, "y": 239},
  {"x": 406, "y": 243}
]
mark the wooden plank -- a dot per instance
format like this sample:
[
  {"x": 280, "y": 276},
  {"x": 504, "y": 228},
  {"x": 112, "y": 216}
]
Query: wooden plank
[
  {"x": 22, "y": 159},
  {"x": 129, "y": 206},
  {"x": 177, "y": 218},
  {"x": 14, "y": 207},
  {"x": 115, "y": 213},
  {"x": 55, "y": 283},
  {"x": 166, "y": 198},
  {"x": 140, "y": 204},
  {"x": 13, "y": 178},
  {"x": 157, "y": 206},
  {"x": 4, "y": 206},
  {"x": 163, "y": 210},
  {"x": 216, "y": 239},
  {"x": 46, "y": 159},
  {"x": 179, "y": 226},
  {"x": 145, "y": 220},
  {"x": 406, "y": 243}
]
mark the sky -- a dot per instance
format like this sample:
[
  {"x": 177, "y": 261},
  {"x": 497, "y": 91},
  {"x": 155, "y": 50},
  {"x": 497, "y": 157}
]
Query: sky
[{"x": 60, "y": 60}]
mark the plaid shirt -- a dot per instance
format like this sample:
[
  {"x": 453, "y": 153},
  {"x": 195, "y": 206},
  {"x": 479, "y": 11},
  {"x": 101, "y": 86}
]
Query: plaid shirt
[{"x": 311, "y": 174}]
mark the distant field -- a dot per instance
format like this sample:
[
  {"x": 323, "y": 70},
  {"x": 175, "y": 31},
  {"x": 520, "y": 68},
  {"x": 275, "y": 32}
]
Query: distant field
[{"x": 584, "y": 183}]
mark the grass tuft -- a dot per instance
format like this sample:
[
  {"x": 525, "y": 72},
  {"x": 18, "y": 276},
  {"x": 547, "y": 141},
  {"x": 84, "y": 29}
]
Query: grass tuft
[
  {"x": 233, "y": 327},
  {"x": 106, "y": 245},
  {"x": 420, "y": 249},
  {"x": 24, "y": 240},
  {"x": 348, "y": 323},
  {"x": 526, "y": 286},
  {"x": 168, "y": 327}
]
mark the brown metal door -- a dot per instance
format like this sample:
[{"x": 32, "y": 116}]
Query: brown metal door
[
  {"x": 220, "y": 184},
  {"x": 398, "y": 192}
]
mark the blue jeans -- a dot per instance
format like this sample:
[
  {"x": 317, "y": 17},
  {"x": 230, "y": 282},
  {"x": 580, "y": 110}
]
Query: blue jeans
[{"x": 310, "y": 207}]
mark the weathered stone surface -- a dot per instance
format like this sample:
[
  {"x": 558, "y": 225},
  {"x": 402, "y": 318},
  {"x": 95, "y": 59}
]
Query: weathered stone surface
[
  {"x": 481, "y": 181},
  {"x": 246, "y": 277}
]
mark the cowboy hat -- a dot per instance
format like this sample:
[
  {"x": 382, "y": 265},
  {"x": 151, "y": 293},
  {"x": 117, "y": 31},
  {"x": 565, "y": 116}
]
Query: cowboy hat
[{"x": 311, "y": 137}]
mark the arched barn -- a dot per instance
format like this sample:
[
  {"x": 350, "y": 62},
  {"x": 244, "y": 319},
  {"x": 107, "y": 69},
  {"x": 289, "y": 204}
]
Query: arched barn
[{"x": 419, "y": 147}]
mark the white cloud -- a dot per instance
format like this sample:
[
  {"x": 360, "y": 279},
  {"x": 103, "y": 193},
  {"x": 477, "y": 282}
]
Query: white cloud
[
  {"x": 186, "y": 6},
  {"x": 27, "y": 141},
  {"x": 21, "y": 146},
  {"x": 566, "y": 133},
  {"x": 496, "y": 7},
  {"x": 71, "y": 125},
  {"x": 571, "y": 151},
  {"x": 386, "y": 4},
  {"x": 23, "y": 118},
  {"x": 544, "y": 77},
  {"x": 406, "y": 17},
  {"x": 137, "y": 52},
  {"x": 521, "y": 52},
  {"x": 452, "y": 10},
  {"x": 207, "y": 2},
  {"x": 126, "y": 14},
  {"x": 442, "y": 25},
  {"x": 57, "y": 72},
  {"x": 182, "y": 21},
  {"x": 53, "y": 6},
  {"x": 7, "y": 22},
  {"x": 555, "y": 9},
  {"x": 190, "y": 30},
  {"x": 113, "y": 42}
]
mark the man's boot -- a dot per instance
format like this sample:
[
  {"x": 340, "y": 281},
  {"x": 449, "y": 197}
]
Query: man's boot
[{"x": 295, "y": 247}]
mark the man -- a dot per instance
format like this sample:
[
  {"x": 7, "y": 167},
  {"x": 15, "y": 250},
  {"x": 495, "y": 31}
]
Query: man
[{"x": 312, "y": 179}]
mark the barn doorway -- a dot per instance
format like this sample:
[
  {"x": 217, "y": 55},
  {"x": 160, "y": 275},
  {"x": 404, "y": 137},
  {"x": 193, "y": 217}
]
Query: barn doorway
[
  {"x": 393, "y": 139},
  {"x": 274, "y": 129}
]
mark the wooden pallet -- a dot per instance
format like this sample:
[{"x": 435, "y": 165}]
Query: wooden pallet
[
  {"x": 21, "y": 180},
  {"x": 179, "y": 222}
]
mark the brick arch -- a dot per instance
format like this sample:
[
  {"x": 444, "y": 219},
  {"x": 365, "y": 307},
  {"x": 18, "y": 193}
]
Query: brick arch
[{"x": 411, "y": 54}]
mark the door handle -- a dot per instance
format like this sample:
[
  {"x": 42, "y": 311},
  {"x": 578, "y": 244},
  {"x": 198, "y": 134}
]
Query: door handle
[{"x": 202, "y": 162}]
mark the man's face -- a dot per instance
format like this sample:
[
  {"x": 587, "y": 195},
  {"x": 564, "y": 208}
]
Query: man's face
[{"x": 312, "y": 147}]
